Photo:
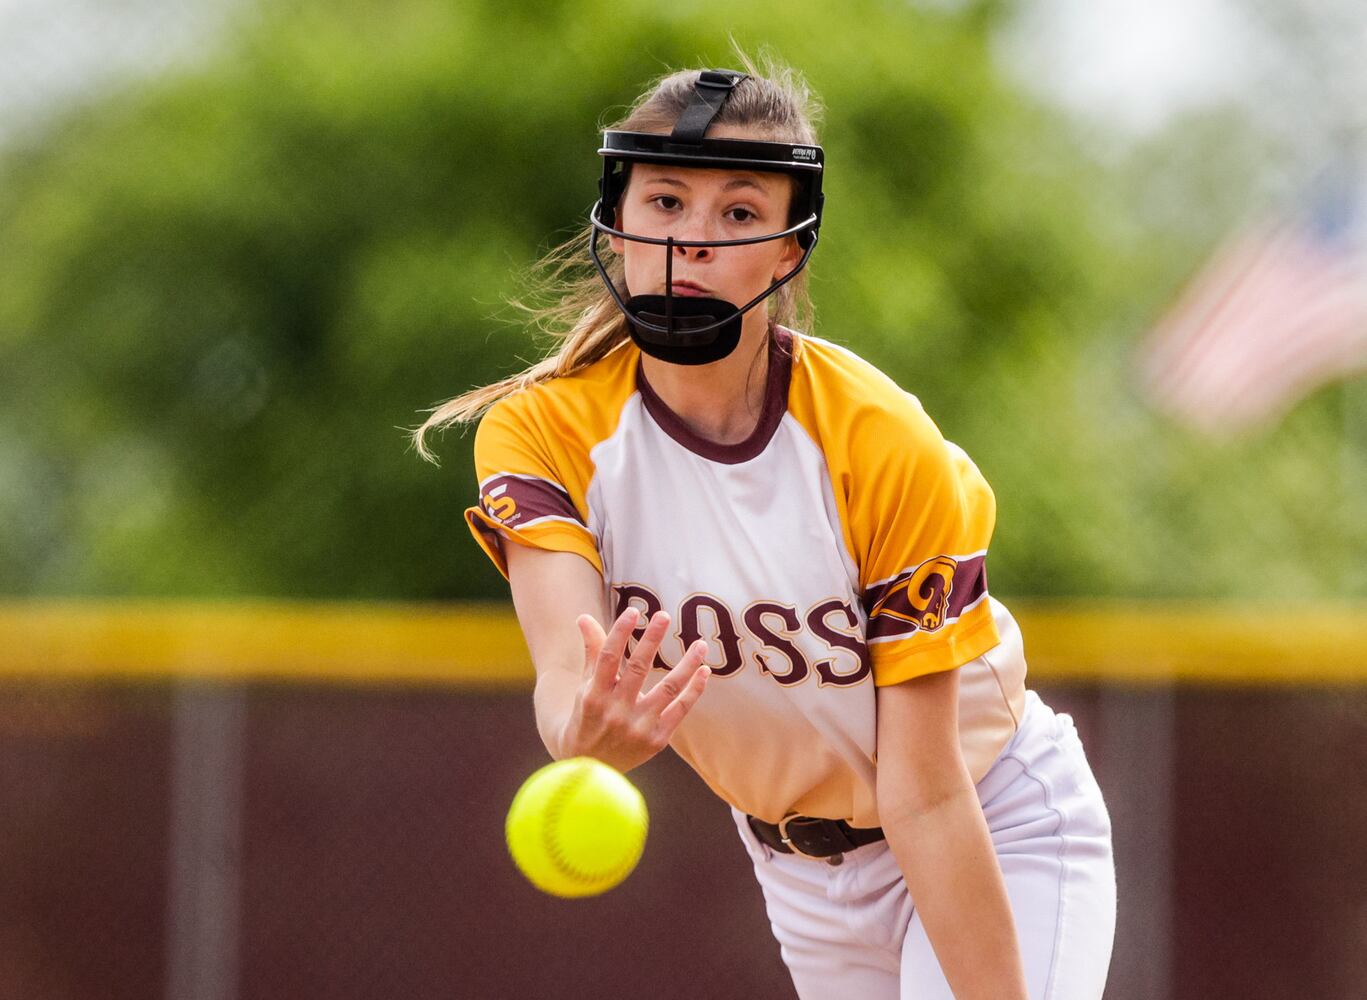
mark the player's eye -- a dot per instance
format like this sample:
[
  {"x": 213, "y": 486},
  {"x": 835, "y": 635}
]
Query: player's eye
[
  {"x": 666, "y": 201},
  {"x": 742, "y": 215}
]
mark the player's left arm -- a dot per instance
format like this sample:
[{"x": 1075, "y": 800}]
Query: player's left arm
[
  {"x": 920, "y": 519},
  {"x": 935, "y": 826}
]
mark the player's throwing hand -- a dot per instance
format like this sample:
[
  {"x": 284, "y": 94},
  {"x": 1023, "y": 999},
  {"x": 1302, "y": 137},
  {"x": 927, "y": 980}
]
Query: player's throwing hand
[{"x": 612, "y": 720}]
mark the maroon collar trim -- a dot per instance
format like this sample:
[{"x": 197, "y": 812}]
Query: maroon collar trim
[{"x": 775, "y": 405}]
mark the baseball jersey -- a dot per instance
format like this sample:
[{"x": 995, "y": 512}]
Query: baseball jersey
[{"x": 839, "y": 548}]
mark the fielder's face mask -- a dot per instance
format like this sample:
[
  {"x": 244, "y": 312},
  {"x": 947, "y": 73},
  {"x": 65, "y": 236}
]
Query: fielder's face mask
[{"x": 692, "y": 330}]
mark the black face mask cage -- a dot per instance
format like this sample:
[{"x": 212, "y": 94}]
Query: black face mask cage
[
  {"x": 688, "y": 329},
  {"x": 684, "y": 328}
]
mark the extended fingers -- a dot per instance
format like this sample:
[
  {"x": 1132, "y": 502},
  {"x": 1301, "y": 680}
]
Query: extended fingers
[
  {"x": 603, "y": 661},
  {"x": 674, "y": 683},
  {"x": 675, "y": 711},
  {"x": 592, "y": 634},
  {"x": 642, "y": 658}
]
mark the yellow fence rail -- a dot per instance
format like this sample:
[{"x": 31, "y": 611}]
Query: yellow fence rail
[{"x": 479, "y": 645}]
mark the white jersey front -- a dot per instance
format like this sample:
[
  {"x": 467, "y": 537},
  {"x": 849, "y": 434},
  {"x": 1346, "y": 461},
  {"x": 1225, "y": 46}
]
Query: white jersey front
[{"x": 840, "y": 547}]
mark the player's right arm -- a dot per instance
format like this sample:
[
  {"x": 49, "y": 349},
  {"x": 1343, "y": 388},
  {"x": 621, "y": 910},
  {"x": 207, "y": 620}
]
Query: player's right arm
[{"x": 588, "y": 693}]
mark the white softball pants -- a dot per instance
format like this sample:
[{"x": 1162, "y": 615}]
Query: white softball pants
[{"x": 852, "y": 931}]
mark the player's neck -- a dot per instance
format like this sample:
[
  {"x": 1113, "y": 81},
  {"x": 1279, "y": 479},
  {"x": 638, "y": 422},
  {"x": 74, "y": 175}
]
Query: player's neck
[{"x": 721, "y": 401}]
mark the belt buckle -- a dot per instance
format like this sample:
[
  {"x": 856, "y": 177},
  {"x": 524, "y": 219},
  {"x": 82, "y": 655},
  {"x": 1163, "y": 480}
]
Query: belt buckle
[{"x": 783, "y": 836}]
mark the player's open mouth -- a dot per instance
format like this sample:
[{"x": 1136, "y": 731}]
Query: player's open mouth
[{"x": 688, "y": 288}]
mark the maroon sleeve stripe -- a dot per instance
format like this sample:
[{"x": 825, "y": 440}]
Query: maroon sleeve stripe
[
  {"x": 517, "y": 501},
  {"x": 889, "y": 605}
]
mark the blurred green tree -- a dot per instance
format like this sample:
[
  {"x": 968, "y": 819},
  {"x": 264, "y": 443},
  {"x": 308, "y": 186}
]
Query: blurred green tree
[{"x": 225, "y": 293}]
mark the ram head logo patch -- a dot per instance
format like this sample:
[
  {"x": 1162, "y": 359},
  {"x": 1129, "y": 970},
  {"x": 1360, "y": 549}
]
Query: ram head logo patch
[{"x": 922, "y": 596}]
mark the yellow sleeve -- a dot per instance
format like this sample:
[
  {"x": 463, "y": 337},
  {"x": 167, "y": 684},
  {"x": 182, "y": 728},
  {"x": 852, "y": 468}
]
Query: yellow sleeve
[
  {"x": 529, "y": 490},
  {"x": 921, "y": 516},
  {"x": 916, "y": 514}
]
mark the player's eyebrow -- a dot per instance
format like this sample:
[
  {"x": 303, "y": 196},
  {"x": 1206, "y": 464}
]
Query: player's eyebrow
[
  {"x": 744, "y": 182},
  {"x": 735, "y": 182}
]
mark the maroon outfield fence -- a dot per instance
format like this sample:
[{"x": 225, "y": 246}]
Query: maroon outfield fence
[{"x": 235, "y": 829}]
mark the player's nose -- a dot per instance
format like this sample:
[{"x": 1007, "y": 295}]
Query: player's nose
[
  {"x": 696, "y": 253},
  {"x": 695, "y": 228}
]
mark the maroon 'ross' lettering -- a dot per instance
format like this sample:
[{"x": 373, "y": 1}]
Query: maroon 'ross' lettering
[
  {"x": 754, "y": 621},
  {"x": 691, "y": 631},
  {"x": 825, "y": 669}
]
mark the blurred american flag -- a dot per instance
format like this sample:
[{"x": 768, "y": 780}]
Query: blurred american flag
[{"x": 1279, "y": 310}]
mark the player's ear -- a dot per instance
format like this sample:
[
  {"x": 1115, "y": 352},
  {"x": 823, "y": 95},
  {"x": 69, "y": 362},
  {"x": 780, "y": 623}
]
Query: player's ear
[
  {"x": 615, "y": 242},
  {"x": 792, "y": 253}
]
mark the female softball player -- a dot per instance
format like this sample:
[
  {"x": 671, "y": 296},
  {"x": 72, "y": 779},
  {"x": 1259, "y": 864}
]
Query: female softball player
[{"x": 749, "y": 544}]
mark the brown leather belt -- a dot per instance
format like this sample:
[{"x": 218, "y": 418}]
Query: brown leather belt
[{"x": 812, "y": 837}]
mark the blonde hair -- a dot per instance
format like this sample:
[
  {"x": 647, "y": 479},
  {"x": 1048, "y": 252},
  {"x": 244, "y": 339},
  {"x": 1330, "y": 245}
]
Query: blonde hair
[{"x": 566, "y": 299}]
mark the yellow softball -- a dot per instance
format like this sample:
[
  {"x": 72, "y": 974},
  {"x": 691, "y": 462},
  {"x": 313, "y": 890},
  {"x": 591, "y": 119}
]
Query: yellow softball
[{"x": 576, "y": 827}]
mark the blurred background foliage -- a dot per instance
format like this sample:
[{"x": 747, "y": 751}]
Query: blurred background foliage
[{"x": 227, "y": 288}]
